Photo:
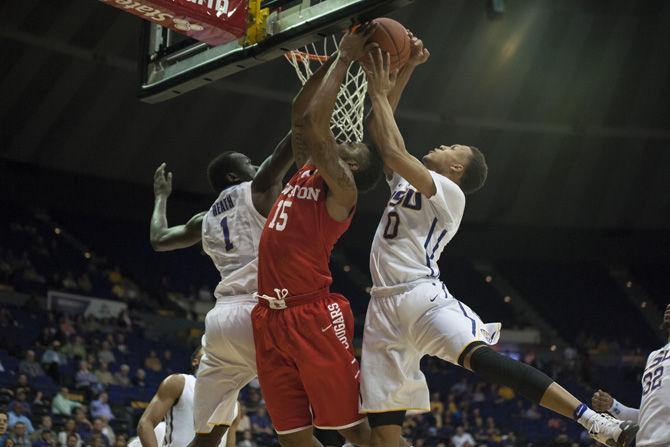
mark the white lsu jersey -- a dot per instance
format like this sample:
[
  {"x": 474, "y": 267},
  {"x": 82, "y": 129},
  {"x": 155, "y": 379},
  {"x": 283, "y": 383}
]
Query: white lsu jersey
[
  {"x": 655, "y": 405},
  {"x": 231, "y": 230},
  {"x": 177, "y": 428},
  {"x": 414, "y": 230}
]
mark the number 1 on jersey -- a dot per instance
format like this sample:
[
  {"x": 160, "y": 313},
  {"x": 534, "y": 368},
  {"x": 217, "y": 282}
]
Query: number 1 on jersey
[{"x": 226, "y": 234}]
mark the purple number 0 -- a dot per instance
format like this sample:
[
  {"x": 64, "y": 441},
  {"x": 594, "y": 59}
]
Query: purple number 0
[{"x": 226, "y": 234}]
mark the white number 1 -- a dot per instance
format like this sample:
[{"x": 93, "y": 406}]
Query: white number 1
[{"x": 280, "y": 219}]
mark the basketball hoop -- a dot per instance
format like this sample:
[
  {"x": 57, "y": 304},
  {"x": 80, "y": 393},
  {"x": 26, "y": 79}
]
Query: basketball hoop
[{"x": 347, "y": 120}]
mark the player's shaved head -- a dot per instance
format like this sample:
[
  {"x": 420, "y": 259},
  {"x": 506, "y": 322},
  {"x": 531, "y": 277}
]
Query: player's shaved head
[
  {"x": 365, "y": 164},
  {"x": 230, "y": 168}
]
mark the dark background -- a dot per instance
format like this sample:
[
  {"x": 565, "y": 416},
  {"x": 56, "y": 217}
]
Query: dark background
[{"x": 570, "y": 101}]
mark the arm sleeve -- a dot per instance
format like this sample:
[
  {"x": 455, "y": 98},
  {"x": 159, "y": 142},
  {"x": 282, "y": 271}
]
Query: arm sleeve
[
  {"x": 623, "y": 412},
  {"x": 449, "y": 199}
]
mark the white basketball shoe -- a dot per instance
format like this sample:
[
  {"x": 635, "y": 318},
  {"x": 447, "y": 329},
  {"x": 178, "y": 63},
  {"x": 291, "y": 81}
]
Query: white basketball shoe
[{"x": 610, "y": 431}]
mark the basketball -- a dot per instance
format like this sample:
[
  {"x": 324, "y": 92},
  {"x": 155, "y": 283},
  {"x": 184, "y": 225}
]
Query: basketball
[{"x": 391, "y": 36}]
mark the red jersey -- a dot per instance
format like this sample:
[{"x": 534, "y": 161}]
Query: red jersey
[{"x": 298, "y": 238}]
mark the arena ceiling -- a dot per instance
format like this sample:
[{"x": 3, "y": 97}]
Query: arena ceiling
[{"x": 569, "y": 99}]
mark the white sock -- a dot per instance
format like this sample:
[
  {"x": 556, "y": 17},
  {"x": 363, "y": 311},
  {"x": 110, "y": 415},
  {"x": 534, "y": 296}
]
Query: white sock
[{"x": 585, "y": 418}]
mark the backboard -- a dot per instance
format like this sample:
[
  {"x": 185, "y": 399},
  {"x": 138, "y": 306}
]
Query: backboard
[{"x": 172, "y": 64}]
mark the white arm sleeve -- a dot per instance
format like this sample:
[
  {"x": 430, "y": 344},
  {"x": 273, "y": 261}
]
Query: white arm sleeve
[{"x": 623, "y": 412}]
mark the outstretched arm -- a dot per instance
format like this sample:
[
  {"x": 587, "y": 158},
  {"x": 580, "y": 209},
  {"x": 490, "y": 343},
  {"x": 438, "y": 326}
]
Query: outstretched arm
[
  {"x": 419, "y": 55},
  {"x": 390, "y": 142},
  {"x": 315, "y": 136},
  {"x": 299, "y": 107},
  {"x": 168, "y": 393},
  {"x": 163, "y": 237},
  {"x": 268, "y": 182}
]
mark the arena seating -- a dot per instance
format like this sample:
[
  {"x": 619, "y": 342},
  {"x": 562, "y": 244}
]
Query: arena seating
[{"x": 39, "y": 253}]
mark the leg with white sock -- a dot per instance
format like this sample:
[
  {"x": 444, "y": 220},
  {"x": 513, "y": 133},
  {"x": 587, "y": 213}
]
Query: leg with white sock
[{"x": 541, "y": 389}]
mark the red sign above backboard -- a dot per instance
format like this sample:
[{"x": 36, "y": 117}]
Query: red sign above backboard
[{"x": 212, "y": 21}]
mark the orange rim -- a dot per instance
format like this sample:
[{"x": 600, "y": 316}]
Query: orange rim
[{"x": 302, "y": 55}]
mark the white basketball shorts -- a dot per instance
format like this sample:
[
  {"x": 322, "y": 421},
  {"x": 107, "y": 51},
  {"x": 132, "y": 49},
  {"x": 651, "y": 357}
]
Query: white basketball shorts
[
  {"x": 403, "y": 324},
  {"x": 228, "y": 363}
]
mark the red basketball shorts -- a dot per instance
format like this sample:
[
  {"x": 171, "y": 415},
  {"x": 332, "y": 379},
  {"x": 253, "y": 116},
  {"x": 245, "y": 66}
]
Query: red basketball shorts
[{"x": 306, "y": 364}]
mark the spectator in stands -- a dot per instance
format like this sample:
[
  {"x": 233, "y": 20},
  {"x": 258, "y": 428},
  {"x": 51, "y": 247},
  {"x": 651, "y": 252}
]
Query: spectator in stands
[
  {"x": 140, "y": 378},
  {"x": 19, "y": 435},
  {"x": 533, "y": 413},
  {"x": 97, "y": 440},
  {"x": 84, "y": 426},
  {"x": 85, "y": 380},
  {"x": 68, "y": 281},
  {"x": 53, "y": 360},
  {"x": 120, "y": 441},
  {"x": 47, "y": 336},
  {"x": 245, "y": 423},
  {"x": 101, "y": 424},
  {"x": 32, "y": 395},
  {"x": 100, "y": 407},
  {"x": 261, "y": 423},
  {"x": 61, "y": 403},
  {"x": 29, "y": 366},
  {"x": 76, "y": 349},
  {"x": 121, "y": 377},
  {"x": 153, "y": 362},
  {"x": 96, "y": 432},
  {"x": 247, "y": 440},
  {"x": 103, "y": 374},
  {"x": 506, "y": 393},
  {"x": 22, "y": 401},
  {"x": 168, "y": 362},
  {"x": 66, "y": 327},
  {"x": 105, "y": 354},
  {"x": 46, "y": 424},
  {"x": 462, "y": 438},
  {"x": 69, "y": 430},
  {"x": 17, "y": 416},
  {"x": 72, "y": 440},
  {"x": 84, "y": 283},
  {"x": 121, "y": 343},
  {"x": 4, "y": 420}
]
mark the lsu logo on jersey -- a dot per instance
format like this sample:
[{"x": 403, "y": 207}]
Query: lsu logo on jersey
[{"x": 407, "y": 198}]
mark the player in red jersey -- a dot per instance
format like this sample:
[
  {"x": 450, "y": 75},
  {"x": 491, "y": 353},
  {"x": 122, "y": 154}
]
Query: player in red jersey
[{"x": 302, "y": 331}]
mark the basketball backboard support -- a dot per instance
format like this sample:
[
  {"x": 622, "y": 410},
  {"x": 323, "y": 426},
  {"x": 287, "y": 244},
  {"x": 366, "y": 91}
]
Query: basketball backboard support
[{"x": 172, "y": 64}]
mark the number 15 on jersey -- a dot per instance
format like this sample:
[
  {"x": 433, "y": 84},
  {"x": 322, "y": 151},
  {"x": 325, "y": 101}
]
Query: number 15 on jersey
[{"x": 280, "y": 218}]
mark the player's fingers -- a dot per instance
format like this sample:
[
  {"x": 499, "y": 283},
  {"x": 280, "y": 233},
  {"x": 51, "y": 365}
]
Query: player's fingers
[
  {"x": 379, "y": 60},
  {"x": 169, "y": 177},
  {"x": 372, "y": 68},
  {"x": 370, "y": 29},
  {"x": 387, "y": 64}
]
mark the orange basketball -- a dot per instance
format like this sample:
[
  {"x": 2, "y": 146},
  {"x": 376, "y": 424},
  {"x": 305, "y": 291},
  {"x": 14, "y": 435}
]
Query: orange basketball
[{"x": 391, "y": 36}]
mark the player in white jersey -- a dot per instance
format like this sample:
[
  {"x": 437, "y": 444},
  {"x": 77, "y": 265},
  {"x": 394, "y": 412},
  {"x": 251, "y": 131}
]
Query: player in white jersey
[
  {"x": 230, "y": 232},
  {"x": 168, "y": 420},
  {"x": 654, "y": 412},
  {"x": 411, "y": 312}
]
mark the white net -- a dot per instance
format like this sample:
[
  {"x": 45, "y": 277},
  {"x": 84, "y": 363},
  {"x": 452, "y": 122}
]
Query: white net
[{"x": 347, "y": 120}]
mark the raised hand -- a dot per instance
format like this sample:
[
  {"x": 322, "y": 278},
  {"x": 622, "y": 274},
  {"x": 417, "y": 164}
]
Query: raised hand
[
  {"x": 418, "y": 53},
  {"x": 352, "y": 45},
  {"x": 378, "y": 71},
  {"x": 601, "y": 401},
  {"x": 162, "y": 182}
]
